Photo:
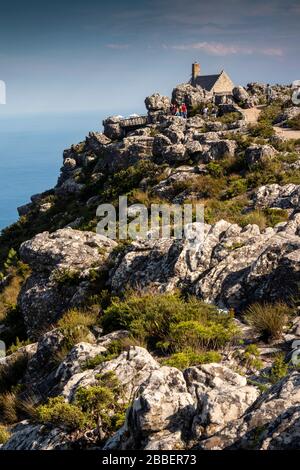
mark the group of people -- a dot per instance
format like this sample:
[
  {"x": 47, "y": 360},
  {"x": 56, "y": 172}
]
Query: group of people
[
  {"x": 212, "y": 112},
  {"x": 180, "y": 110}
]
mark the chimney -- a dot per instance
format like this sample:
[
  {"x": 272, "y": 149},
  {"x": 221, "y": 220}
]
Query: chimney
[{"x": 195, "y": 72}]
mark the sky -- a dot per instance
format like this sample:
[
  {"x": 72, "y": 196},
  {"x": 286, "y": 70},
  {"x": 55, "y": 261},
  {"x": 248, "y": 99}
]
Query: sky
[{"x": 79, "y": 56}]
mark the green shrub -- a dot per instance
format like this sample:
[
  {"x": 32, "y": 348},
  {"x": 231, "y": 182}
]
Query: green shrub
[
  {"x": 275, "y": 216},
  {"x": 268, "y": 319},
  {"x": 262, "y": 129},
  {"x": 97, "y": 406},
  {"x": 236, "y": 186},
  {"x": 250, "y": 357},
  {"x": 211, "y": 334},
  {"x": 279, "y": 369},
  {"x": 59, "y": 413},
  {"x": 159, "y": 319},
  {"x": 189, "y": 358},
  {"x": 214, "y": 169},
  {"x": 4, "y": 434},
  {"x": 270, "y": 113},
  {"x": 294, "y": 123},
  {"x": 256, "y": 217},
  {"x": 66, "y": 277},
  {"x": 17, "y": 345},
  {"x": 230, "y": 118},
  {"x": 75, "y": 326},
  {"x": 113, "y": 350}
]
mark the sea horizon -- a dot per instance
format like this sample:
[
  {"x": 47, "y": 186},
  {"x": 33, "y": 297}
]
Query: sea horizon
[{"x": 31, "y": 152}]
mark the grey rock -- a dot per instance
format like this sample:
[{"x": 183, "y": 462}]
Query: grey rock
[
  {"x": 112, "y": 128},
  {"x": 276, "y": 196},
  {"x": 240, "y": 94},
  {"x": 42, "y": 299},
  {"x": 271, "y": 423},
  {"x": 97, "y": 142},
  {"x": 259, "y": 153},
  {"x": 264, "y": 265},
  {"x": 190, "y": 95},
  {"x": 27, "y": 436},
  {"x": 157, "y": 102}
]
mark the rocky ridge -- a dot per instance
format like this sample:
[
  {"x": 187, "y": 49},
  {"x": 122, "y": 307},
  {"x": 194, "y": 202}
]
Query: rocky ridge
[{"x": 249, "y": 183}]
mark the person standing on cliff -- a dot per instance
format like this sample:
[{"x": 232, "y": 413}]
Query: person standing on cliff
[
  {"x": 183, "y": 111},
  {"x": 269, "y": 93},
  {"x": 205, "y": 112}
]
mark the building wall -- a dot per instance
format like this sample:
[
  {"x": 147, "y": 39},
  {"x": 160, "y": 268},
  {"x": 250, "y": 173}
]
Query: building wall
[{"x": 223, "y": 84}]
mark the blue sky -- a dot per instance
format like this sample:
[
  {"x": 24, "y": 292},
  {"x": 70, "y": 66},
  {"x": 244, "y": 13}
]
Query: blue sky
[{"x": 89, "y": 55}]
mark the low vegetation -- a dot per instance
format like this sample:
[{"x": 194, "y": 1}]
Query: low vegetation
[
  {"x": 268, "y": 319},
  {"x": 167, "y": 322},
  {"x": 4, "y": 434},
  {"x": 100, "y": 406},
  {"x": 188, "y": 358},
  {"x": 294, "y": 123}
]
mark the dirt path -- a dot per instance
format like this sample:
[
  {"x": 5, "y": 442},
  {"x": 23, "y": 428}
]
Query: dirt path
[
  {"x": 251, "y": 114},
  {"x": 287, "y": 134}
]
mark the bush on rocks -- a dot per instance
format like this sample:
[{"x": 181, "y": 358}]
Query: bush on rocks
[
  {"x": 166, "y": 320},
  {"x": 268, "y": 319}
]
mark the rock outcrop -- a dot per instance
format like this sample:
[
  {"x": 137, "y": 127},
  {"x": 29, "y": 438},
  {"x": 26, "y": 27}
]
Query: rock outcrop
[
  {"x": 233, "y": 264},
  {"x": 271, "y": 423},
  {"x": 68, "y": 254}
]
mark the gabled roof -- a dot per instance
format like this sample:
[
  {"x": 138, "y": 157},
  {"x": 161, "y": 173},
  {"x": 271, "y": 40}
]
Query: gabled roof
[{"x": 207, "y": 81}]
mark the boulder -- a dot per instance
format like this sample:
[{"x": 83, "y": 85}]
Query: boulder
[
  {"x": 233, "y": 264},
  {"x": 160, "y": 143},
  {"x": 161, "y": 411},
  {"x": 288, "y": 113},
  {"x": 218, "y": 149},
  {"x": 175, "y": 153},
  {"x": 112, "y": 128},
  {"x": 129, "y": 151},
  {"x": 271, "y": 423},
  {"x": 157, "y": 102},
  {"x": 259, "y": 153},
  {"x": 190, "y": 95},
  {"x": 132, "y": 368},
  {"x": 240, "y": 94},
  {"x": 221, "y": 395},
  {"x": 97, "y": 141},
  {"x": 26, "y": 436},
  {"x": 43, "y": 297},
  {"x": 276, "y": 196}
]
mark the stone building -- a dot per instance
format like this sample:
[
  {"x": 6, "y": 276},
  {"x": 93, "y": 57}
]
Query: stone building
[{"x": 217, "y": 84}]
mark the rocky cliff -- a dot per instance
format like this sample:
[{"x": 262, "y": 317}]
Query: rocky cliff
[{"x": 143, "y": 344}]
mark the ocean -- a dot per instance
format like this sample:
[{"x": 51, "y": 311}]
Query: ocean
[{"x": 31, "y": 149}]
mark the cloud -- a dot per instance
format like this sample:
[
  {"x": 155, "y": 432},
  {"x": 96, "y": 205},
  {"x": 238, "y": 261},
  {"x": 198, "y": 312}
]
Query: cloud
[
  {"x": 220, "y": 49},
  {"x": 273, "y": 51},
  {"x": 117, "y": 46}
]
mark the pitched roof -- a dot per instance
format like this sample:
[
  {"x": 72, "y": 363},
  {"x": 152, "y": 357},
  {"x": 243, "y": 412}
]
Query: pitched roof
[{"x": 207, "y": 81}]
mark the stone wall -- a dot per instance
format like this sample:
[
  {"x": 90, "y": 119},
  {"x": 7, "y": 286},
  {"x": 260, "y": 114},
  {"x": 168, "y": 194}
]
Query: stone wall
[{"x": 223, "y": 84}]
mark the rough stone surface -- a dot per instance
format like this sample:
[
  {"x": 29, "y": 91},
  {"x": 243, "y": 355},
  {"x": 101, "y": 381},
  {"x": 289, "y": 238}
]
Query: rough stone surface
[
  {"x": 259, "y": 153},
  {"x": 157, "y": 102},
  {"x": 276, "y": 196},
  {"x": 272, "y": 422},
  {"x": 233, "y": 265},
  {"x": 43, "y": 298},
  {"x": 27, "y": 436}
]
